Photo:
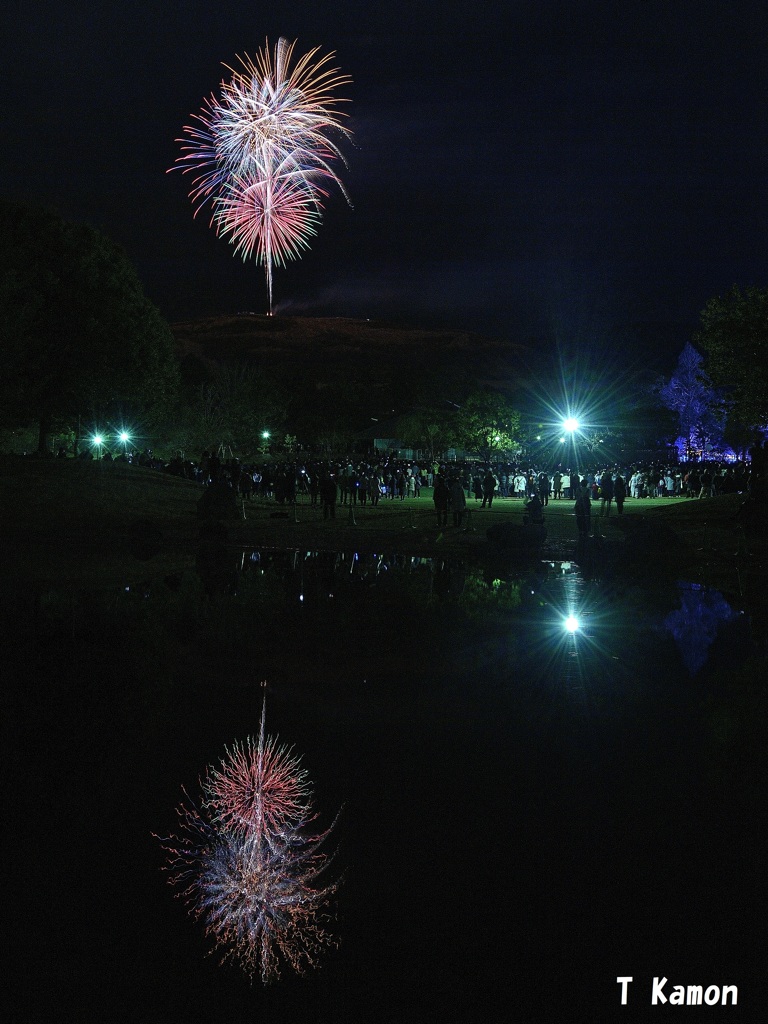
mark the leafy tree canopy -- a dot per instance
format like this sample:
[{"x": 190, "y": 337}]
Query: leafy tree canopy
[
  {"x": 78, "y": 337},
  {"x": 433, "y": 428},
  {"x": 489, "y": 423},
  {"x": 231, "y": 407},
  {"x": 734, "y": 335}
]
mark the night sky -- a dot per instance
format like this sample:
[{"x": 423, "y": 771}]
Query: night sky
[{"x": 542, "y": 171}]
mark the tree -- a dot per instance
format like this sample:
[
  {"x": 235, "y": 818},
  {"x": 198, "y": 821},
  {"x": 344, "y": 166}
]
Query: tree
[
  {"x": 734, "y": 336},
  {"x": 78, "y": 337},
  {"x": 232, "y": 407},
  {"x": 599, "y": 443},
  {"x": 489, "y": 423},
  {"x": 432, "y": 429},
  {"x": 699, "y": 408},
  {"x": 334, "y": 444}
]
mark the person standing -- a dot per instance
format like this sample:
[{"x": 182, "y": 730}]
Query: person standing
[
  {"x": 458, "y": 502},
  {"x": 489, "y": 487},
  {"x": 544, "y": 488},
  {"x": 706, "y": 483},
  {"x": 606, "y": 493},
  {"x": 343, "y": 485},
  {"x": 619, "y": 493},
  {"x": 363, "y": 486},
  {"x": 583, "y": 509},
  {"x": 441, "y": 496},
  {"x": 376, "y": 485},
  {"x": 328, "y": 494}
]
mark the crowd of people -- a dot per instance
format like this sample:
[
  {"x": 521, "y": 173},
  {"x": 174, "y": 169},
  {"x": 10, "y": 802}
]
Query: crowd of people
[{"x": 454, "y": 487}]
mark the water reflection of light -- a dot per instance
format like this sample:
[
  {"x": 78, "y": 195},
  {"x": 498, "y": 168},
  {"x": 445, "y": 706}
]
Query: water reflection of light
[
  {"x": 573, "y": 634},
  {"x": 555, "y": 615}
]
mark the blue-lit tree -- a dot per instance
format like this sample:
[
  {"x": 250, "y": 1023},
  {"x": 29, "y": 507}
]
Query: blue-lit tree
[{"x": 699, "y": 406}]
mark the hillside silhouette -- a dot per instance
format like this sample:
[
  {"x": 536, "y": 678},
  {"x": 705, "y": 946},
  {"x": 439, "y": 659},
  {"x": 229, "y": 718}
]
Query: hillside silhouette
[{"x": 330, "y": 350}]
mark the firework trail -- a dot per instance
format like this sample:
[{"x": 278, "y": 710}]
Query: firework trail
[
  {"x": 262, "y": 154},
  {"x": 247, "y": 865}
]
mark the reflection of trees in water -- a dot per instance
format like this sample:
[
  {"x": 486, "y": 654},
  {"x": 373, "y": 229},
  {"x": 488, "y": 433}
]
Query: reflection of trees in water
[
  {"x": 695, "y": 623},
  {"x": 481, "y": 594}
]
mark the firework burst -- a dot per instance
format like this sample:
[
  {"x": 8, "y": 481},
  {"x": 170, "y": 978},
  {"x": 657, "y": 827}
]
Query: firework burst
[
  {"x": 259, "y": 787},
  {"x": 263, "y": 155},
  {"x": 247, "y": 864},
  {"x": 260, "y": 901},
  {"x": 272, "y": 217}
]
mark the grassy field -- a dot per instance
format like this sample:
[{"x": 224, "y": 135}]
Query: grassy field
[
  {"x": 65, "y": 518},
  {"x": 40, "y": 498}
]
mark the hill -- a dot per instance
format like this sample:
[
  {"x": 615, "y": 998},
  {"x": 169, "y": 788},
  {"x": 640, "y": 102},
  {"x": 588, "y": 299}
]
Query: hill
[{"x": 327, "y": 350}]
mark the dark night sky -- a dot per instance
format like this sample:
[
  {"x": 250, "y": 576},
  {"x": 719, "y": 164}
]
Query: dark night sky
[{"x": 532, "y": 170}]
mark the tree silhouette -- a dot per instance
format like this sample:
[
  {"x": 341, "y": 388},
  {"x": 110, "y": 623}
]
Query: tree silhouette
[
  {"x": 734, "y": 336},
  {"x": 78, "y": 337}
]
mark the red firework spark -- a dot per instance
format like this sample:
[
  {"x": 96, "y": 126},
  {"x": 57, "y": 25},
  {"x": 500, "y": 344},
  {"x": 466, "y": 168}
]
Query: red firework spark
[{"x": 259, "y": 786}]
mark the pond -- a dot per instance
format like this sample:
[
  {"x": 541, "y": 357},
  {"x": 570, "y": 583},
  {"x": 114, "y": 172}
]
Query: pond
[{"x": 545, "y": 782}]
